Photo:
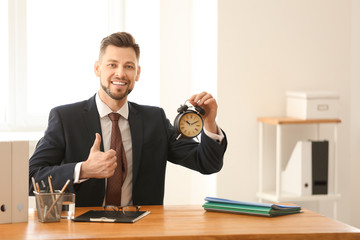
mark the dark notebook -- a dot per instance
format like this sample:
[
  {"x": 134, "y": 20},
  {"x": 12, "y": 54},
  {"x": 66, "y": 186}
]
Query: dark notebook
[{"x": 104, "y": 216}]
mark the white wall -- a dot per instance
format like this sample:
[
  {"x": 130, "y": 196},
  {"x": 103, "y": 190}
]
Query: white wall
[
  {"x": 175, "y": 82},
  {"x": 268, "y": 47},
  {"x": 355, "y": 115},
  {"x": 181, "y": 75},
  {"x": 265, "y": 48}
]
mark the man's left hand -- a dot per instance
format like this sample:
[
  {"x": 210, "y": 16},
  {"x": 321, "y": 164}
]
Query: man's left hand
[{"x": 208, "y": 103}]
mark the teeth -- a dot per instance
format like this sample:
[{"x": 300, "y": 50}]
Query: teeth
[{"x": 119, "y": 83}]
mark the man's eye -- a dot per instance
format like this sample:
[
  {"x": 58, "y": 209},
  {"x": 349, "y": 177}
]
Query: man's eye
[
  {"x": 112, "y": 65},
  {"x": 129, "y": 66}
]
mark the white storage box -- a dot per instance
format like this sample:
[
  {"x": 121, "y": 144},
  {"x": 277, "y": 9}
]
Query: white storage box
[{"x": 312, "y": 105}]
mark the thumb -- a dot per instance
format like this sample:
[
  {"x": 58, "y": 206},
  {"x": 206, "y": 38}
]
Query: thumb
[{"x": 96, "y": 145}]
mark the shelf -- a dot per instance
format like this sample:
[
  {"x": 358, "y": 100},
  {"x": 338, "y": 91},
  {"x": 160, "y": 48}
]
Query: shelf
[
  {"x": 289, "y": 120},
  {"x": 287, "y": 197},
  {"x": 277, "y": 194}
]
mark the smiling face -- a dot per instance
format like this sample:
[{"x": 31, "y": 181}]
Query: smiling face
[{"x": 118, "y": 69}]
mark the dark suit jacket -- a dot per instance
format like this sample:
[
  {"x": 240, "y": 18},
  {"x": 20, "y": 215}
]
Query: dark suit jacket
[{"x": 71, "y": 133}]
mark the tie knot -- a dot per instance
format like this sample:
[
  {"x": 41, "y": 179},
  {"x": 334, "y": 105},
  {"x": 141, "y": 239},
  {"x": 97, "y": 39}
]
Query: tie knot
[{"x": 114, "y": 116}]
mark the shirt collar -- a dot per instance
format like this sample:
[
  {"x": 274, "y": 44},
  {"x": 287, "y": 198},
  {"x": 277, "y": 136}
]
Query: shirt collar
[{"x": 104, "y": 110}]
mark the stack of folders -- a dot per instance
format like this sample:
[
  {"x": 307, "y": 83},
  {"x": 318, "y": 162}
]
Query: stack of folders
[{"x": 251, "y": 208}]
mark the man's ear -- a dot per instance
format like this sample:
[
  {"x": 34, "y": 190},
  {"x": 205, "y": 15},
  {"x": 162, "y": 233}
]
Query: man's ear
[
  {"x": 97, "y": 68},
  {"x": 138, "y": 73}
]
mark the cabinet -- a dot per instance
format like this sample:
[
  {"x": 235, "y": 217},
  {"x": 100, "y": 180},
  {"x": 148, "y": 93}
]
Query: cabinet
[{"x": 276, "y": 194}]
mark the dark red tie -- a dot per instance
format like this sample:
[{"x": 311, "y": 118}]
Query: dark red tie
[{"x": 114, "y": 183}]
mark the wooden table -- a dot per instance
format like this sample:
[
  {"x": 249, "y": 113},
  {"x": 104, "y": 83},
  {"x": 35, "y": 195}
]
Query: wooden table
[{"x": 186, "y": 222}]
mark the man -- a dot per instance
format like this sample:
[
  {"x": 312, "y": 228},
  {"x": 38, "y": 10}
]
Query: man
[{"x": 77, "y": 144}]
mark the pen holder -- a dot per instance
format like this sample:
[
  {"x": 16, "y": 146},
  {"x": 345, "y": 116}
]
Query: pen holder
[{"x": 48, "y": 206}]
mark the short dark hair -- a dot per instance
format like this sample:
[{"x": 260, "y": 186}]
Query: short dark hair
[{"x": 120, "y": 39}]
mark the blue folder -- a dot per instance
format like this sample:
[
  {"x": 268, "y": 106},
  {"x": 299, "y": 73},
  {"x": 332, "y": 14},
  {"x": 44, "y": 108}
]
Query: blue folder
[{"x": 251, "y": 208}]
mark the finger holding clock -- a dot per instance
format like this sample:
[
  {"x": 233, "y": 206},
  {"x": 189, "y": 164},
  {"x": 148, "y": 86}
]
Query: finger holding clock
[
  {"x": 208, "y": 103},
  {"x": 198, "y": 99}
]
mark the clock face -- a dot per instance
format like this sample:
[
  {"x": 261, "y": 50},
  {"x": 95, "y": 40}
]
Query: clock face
[{"x": 190, "y": 124}]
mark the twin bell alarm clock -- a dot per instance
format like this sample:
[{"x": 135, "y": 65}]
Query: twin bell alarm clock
[{"x": 189, "y": 123}]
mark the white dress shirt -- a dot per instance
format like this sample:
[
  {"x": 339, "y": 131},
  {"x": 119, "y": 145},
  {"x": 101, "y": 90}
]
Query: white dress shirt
[{"x": 106, "y": 126}]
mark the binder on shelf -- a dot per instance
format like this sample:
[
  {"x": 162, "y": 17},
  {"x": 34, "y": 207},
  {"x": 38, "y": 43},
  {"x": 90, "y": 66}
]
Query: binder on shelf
[
  {"x": 14, "y": 177},
  {"x": 5, "y": 180},
  {"x": 320, "y": 167},
  {"x": 307, "y": 170},
  {"x": 20, "y": 181}
]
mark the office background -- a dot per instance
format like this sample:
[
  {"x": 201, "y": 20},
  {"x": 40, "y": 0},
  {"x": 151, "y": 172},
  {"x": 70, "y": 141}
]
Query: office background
[{"x": 248, "y": 53}]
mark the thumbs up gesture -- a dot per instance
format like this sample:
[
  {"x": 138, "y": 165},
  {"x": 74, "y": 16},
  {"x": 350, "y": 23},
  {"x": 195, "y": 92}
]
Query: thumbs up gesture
[{"x": 99, "y": 164}]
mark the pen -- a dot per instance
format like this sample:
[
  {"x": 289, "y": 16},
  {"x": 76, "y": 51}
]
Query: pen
[
  {"x": 43, "y": 185},
  {"x": 34, "y": 184}
]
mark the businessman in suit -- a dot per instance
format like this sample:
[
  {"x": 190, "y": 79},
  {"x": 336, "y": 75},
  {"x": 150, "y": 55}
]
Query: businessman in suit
[{"x": 77, "y": 143}]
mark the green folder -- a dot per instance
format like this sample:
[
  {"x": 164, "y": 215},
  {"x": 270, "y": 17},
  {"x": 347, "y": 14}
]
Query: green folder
[{"x": 251, "y": 208}]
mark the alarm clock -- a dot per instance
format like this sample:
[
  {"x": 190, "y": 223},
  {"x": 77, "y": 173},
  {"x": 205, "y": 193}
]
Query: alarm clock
[{"x": 189, "y": 123}]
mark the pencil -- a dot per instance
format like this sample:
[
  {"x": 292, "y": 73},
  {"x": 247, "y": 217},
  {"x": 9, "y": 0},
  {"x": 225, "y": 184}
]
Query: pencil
[
  {"x": 37, "y": 199},
  {"x": 61, "y": 193},
  {"x": 52, "y": 192},
  {"x": 38, "y": 190},
  {"x": 65, "y": 186}
]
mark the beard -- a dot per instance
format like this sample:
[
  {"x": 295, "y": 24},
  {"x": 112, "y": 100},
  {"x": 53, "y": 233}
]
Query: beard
[{"x": 114, "y": 95}]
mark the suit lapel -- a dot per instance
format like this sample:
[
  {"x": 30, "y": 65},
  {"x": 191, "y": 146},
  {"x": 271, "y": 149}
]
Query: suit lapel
[
  {"x": 136, "y": 129},
  {"x": 92, "y": 123},
  {"x": 92, "y": 120}
]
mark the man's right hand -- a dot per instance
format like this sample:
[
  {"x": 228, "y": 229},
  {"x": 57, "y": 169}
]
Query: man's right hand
[{"x": 99, "y": 164}]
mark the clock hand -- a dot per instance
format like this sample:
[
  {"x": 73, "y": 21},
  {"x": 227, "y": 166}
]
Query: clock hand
[
  {"x": 188, "y": 122},
  {"x": 194, "y": 122}
]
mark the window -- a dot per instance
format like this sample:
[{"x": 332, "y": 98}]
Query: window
[
  {"x": 147, "y": 34},
  {"x": 4, "y": 58},
  {"x": 53, "y": 47},
  {"x": 63, "y": 38}
]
